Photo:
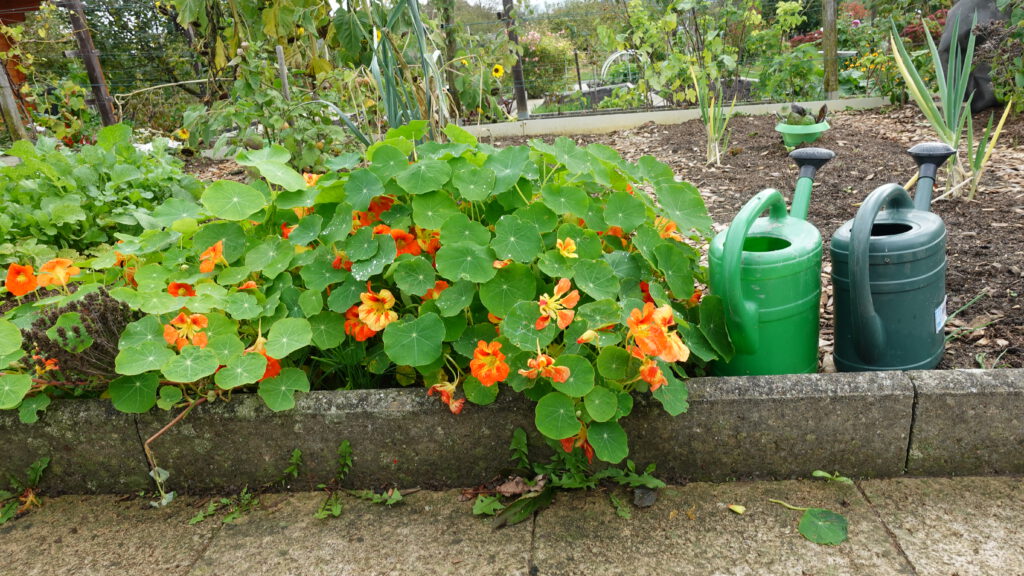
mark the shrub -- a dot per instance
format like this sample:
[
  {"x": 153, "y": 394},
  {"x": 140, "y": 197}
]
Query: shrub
[{"x": 546, "y": 59}]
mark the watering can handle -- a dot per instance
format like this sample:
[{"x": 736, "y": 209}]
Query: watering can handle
[
  {"x": 743, "y": 314},
  {"x": 868, "y": 335}
]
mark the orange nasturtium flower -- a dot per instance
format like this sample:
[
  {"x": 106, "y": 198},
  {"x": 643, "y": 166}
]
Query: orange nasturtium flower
[
  {"x": 649, "y": 328},
  {"x": 446, "y": 390},
  {"x": 184, "y": 330},
  {"x": 355, "y": 327},
  {"x": 376, "y": 309},
  {"x": 20, "y": 280},
  {"x": 212, "y": 256},
  {"x": 180, "y": 289},
  {"x": 499, "y": 264},
  {"x": 429, "y": 240},
  {"x": 57, "y": 271},
  {"x": 406, "y": 242},
  {"x": 556, "y": 307},
  {"x": 248, "y": 285},
  {"x": 544, "y": 365},
  {"x": 311, "y": 179},
  {"x": 667, "y": 229},
  {"x": 273, "y": 364},
  {"x": 488, "y": 363},
  {"x": 439, "y": 286},
  {"x": 567, "y": 247},
  {"x": 651, "y": 373},
  {"x": 579, "y": 441}
]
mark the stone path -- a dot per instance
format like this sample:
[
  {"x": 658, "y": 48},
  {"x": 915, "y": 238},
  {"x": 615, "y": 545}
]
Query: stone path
[{"x": 930, "y": 526}]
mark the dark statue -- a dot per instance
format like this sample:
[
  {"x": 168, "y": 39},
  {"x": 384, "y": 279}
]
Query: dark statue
[{"x": 958, "y": 22}]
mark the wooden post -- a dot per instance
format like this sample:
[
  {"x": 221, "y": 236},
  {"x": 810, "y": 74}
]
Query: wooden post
[
  {"x": 282, "y": 72},
  {"x": 828, "y": 46},
  {"x": 448, "y": 27},
  {"x": 522, "y": 108},
  {"x": 9, "y": 107},
  {"x": 87, "y": 50}
]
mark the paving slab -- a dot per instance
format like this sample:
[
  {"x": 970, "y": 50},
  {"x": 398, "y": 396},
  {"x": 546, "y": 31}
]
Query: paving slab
[
  {"x": 430, "y": 533},
  {"x": 690, "y": 531},
  {"x": 961, "y": 526},
  {"x": 102, "y": 536}
]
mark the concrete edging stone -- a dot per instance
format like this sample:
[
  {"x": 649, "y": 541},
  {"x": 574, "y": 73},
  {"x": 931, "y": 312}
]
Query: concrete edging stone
[{"x": 861, "y": 424}]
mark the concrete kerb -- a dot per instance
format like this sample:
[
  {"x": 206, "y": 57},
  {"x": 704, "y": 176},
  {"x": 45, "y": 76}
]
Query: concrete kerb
[{"x": 863, "y": 425}]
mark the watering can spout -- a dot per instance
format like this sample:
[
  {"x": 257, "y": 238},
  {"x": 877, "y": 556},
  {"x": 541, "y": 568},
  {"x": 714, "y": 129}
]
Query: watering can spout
[
  {"x": 929, "y": 156},
  {"x": 809, "y": 160}
]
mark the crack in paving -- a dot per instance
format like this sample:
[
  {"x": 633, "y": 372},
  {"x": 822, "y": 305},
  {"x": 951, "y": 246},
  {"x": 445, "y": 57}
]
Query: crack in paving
[
  {"x": 892, "y": 535},
  {"x": 201, "y": 553},
  {"x": 913, "y": 424},
  {"x": 531, "y": 566}
]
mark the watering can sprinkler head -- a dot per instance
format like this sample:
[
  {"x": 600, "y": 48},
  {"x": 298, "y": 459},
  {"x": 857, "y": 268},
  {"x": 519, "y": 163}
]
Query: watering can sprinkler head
[
  {"x": 809, "y": 160},
  {"x": 928, "y": 156}
]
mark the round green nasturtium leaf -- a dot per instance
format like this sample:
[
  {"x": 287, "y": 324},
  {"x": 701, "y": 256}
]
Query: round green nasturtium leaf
[
  {"x": 565, "y": 199},
  {"x": 387, "y": 161},
  {"x": 597, "y": 279},
  {"x": 614, "y": 363},
  {"x": 328, "y": 329},
  {"x": 433, "y": 209},
  {"x": 30, "y": 407},
  {"x": 508, "y": 165},
  {"x": 230, "y": 200},
  {"x": 519, "y": 327},
  {"x": 555, "y": 416},
  {"x": 479, "y": 394},
  {"x": 581, "y": 375},
  {"x": 673, "y": 396},
  {"x": 609, "y": 441},
  {"x": 271, "y": 257},
  {"x": 10, "y": 337},
  {"x": 539, "y": 215},
  {"x": 512, "y": 284},
  {"x": 168, "y": 397},
  {"x": 823, "y": 526},
  {"x": 415, "y": 276},
  {"x": 278, "y": 393},
  {"x": 243, "y": 306},
  {"x": 459, "y": 228},
  {"x": 516, "y": 239},
  {"x": 601, "y": 403},
  {"x": 311, "y": 302},
  {"x": 424, "y": 176},
  {"x": 190, "y": 365},
  {"x": 465, "y": 261},
  {"x": 142, "y": 357},
  {"x": 306, "y": 230},
  {"x": 385, "y": 254},
  {"x": 185, "y": 226},
  {"x": 13, "y": 388},
  {"x": 231, "y": 233},
  {"x": 414, "y": 342},
  {"x": 134, "y": 394},
  {"x": 624, "y": 264},
  {"x": 625, "y": 211},
  {"x": 474, "y": 183},
  {"x": 174, "y": 209},
  {"x": 225, "y": 346},
  {"x": 456, "y": 298},
  {"x": 241, "y": 370},
  {"x": 625, "y": 405},
  {"x": 467, "y": 343},
  {"x": 362, "y": 187},
  {"x": 288, "y": 335},
  {"x": 555, "y": 265},
  {"x": 675, "y": 263}
]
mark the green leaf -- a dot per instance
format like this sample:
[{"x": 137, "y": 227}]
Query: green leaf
[
  {"x": 459, "y": 228},
  {"x": 474, "y": 183},
  {"x": 625, "y": 211},
  {"x": 823, "y": 526},
  {"x": 609, "y": 441},
  {"x": 241, "y": 370},
  {"x": 424, "y": 176},
  {"x": 311, "y": 302},
  {"x": 415, "y": 276},
  {"x": 328, "y": 330},
  {"x": 13, "y": 388},
  {"x": 525, "y": 507},
  {"x": 565, "y": 199},
  {"x": 601, "y": 403},
  {"x": 271, "y": 257},
  {"x": 614, "y": 363},
  {"x": 674, "y": 395},
  {"x": 387, "y": 162},
  {"x": 10, "y": 337},
  {"x": 279, "y": 393},
  {"x": 307, "y": 230},
  {"x": 134, "y": 394},
  {"x": 190, "y": 365},
  {"x": 414, "y": 342},
  {"x": 320, "y": 273},
  {"x": 512, "y": 284},
  {"x": 683, "y": 204},
  {"x": 597, "y": 279},
  {"x": 242, "y": 306},
  {"x": 516, "y": 239},
  {"x": 362, "y": 270},
  {"x": 555, "y": 416},
  {"x": 675, "y": 262},
  {"x": 465, "y": 261},
  {"x": 274, "y": 154},
  {"x": 168, "y": 397},
  {"x": 142, "y": 357},
  {"x": 30, "y": 407},
  {"x": 479, "y": 394},
  {"x": 459, "y": 135},
  {"x": 581, "y": 376},
  {"x": 487, "y": 505},
  {"x": 230, "y": 200},
  {"x": 713, "y": 327},
  {"x": 433, "y": 209},
  {"x": 456, "y": 298},
  {"x": 520, "y": 327},
  {"x": 234, "y": 237},
  {"x": 362, "y": 186},
  {"x": 288, "y": 335},
  {"x": 272, "y": 164},
  {"x": 73, "y": 343},
  {"x": 507, "y": 165}
]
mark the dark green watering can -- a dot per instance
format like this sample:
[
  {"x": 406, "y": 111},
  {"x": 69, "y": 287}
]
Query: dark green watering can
[
  {"x": 768, "y": 273},
  {"x": 889, "y": 276}
]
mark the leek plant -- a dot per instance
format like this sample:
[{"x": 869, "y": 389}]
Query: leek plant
[{"x": 713, "y": 115}]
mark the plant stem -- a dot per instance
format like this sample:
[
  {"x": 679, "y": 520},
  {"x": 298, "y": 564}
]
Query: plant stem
[{"x": 785, "y": 505}]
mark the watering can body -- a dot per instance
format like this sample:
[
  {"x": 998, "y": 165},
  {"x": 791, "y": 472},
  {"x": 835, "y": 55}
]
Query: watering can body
[
  {"x": 889, "y": 285},
  {"x": 768, "y": 272}
]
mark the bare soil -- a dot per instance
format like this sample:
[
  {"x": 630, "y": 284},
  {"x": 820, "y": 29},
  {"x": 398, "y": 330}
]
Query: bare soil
[{"x": 985, "y": 248}]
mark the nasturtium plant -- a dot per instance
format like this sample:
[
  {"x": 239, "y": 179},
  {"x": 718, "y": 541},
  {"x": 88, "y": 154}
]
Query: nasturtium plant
[{"x": 560, "y": 272}]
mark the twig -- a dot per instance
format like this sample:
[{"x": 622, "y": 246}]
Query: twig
[{"x": 178, "y": 418}]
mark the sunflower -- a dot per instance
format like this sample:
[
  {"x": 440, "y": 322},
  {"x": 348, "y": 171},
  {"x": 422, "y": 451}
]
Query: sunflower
[{"x": 498, "y": 71}]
